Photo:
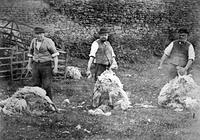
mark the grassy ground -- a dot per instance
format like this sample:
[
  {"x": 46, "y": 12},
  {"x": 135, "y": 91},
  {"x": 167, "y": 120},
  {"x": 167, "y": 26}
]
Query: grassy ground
[{"x": 142, "y": 81}]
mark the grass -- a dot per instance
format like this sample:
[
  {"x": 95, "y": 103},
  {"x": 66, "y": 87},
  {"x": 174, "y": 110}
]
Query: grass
[{"x": 143, "y": 81}]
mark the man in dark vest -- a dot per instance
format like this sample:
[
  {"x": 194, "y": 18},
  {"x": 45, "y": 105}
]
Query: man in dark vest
[
  {"x": 101, "y": 54},
  {"x": 42, "y": 52},
  {"x": 180, "y": 53}
]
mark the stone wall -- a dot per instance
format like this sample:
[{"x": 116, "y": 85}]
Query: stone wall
[
  {"x": 139, "y": 28},
  {"x": 26, "y": 11}
]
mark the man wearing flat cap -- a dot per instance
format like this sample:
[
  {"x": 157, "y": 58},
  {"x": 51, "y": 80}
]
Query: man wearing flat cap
[
  {"x": 101, "y": 54},
  {"x": 180, "y": 53},
  {"x": 42, "y": 52}
]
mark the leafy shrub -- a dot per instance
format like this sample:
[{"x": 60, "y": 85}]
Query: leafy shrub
[
  {"x": 101, "y": 12},
  {"x": 133, "y": 17},
  {"x": 139, "y": 28}
]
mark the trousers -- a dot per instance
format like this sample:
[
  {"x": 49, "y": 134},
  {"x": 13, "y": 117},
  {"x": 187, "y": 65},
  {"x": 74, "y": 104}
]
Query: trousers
[
  {"x": 99, "y": 69},
  {"x": 42, "y": 76}
]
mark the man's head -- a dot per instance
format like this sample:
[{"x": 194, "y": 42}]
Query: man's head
[
  {"x": 39, "y": 33},
  {"x": 183, "y": 34},
  {"x": 103, "y": 34}
]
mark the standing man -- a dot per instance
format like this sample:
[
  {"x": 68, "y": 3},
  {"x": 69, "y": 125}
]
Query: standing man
[
  {"x": 101, "y": 54},
  {"x": 41, "y": 53},
  {"x": 180, "y": 53}
]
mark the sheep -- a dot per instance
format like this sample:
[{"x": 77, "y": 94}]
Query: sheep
[
  {"x": 32, "y": 100},
  {"x": 180, "y": 93},
  {"x": 109, "y": 93}
]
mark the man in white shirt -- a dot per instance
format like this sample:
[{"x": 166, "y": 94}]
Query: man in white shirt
[
  {"x": 42, "y": 52},
  {"x": 180, "y": 53},
  {"x": 101, "y": 54}
]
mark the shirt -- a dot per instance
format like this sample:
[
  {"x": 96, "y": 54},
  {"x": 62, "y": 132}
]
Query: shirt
[
  {"x": 42, "y": 52},
  {"x": 191, "y": 53},
  {"x": 94, "y": 49},
  {"x": 38, "y": 44}
]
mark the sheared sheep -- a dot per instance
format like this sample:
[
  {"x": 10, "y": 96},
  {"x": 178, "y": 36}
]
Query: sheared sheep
[
  {"x": 27, "y": 100},
  {"x": 73, "y": 72},
  {"x": 108, "y": 92},
  {"x": 181, "y": 92}
]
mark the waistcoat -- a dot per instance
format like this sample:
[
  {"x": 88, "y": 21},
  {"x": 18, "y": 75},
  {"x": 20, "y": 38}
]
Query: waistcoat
[
  {"x": 43, "y": 53},
  {"x": 179, "y": 53},
  {"x": 104, "y": 53}
]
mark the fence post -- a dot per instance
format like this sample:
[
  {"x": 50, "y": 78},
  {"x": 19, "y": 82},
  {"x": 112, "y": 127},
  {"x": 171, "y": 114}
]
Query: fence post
[
  {"x": 11, "y": 64},
  {"x": 66, "y": 59},
  {"x": 23, "y": 69}
]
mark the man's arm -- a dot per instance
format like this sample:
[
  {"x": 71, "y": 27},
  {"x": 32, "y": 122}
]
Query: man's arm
[
  {"x": 54, "y": 53},
  {"x": 114, "y": 62},
  {"x": 189, "y": 63},
  {"x": 163, "y": 58},
  {"x": 30, "y": 55},
  {"x": 191, "y": 57},
  {"x": 29, "y": 63},
  {"x": 92, "y": 55},
  {"x": 55, "y": 59},
  {"x": 89, "y": 66},
  {"x": 167, "y": 52}
]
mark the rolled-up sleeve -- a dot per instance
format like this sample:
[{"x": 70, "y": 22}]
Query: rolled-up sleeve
[
  {"x": 52, "y": 48},
  {"x": 113, "y": 53},
  {"x": 31, "y": 49},
  {"x": 94, "y": 49},
  {"x": 191, "y": 53},
  {"x": 168, "y": 50}
]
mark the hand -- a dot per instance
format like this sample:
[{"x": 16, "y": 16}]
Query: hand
[
  {"x": 55, "y": 70},
  {"x": 160, "y": 67},
  {"x": 29, "y": 67},
  {"x": 181, "y": 71},
  {"x": 88, "y": 73},
  {"x": 114, "y": 65}
]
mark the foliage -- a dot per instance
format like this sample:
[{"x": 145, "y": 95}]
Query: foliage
[
  {"x": 139, "y": 28},
  {"x": 101, "y": 12},
  {"x": 146, "y": 27}
]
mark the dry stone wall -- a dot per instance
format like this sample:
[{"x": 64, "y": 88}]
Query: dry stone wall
[{"x": 139, "y": 28}]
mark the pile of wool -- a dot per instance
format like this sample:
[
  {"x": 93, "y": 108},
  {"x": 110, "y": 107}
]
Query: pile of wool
[
  {"x": 108, "y": 91},
  {"x": 73, "y": 72},
  {"x": 31, "y": 100},
  {"x": 181, "y": 92}
]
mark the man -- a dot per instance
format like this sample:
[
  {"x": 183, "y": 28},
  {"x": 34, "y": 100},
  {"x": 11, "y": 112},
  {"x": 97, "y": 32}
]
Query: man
[
  {"x": 101, "y": 54},
  {"x": 41, "y": 52},
  {"x": 181, "y": 55}
]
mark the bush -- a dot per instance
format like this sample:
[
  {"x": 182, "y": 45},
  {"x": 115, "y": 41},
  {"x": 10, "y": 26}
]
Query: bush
[{"x": 145, "y": 27}]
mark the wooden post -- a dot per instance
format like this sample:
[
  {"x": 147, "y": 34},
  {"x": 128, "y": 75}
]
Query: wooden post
[
  {"x": 11, "y": 64},
  {"x": 23, "y": 65},
  {"x": 66, "y": 59},
  {"x": 11, "y": 32}
]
